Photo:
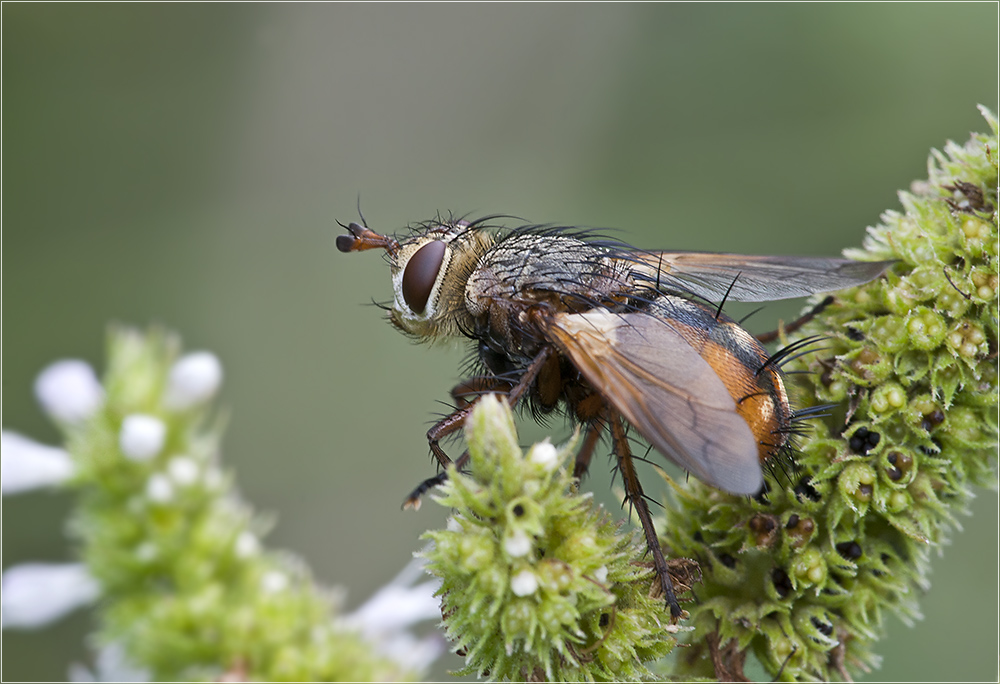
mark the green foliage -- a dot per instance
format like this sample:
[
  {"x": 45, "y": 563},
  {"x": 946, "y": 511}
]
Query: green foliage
[
  {"x": 186, "y": 587},
  {"x": 538, "y": 583},
  {"x": 803, "y": 577}
]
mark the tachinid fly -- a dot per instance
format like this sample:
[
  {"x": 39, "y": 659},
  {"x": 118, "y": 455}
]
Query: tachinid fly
[{"x": 614, "y": 336}]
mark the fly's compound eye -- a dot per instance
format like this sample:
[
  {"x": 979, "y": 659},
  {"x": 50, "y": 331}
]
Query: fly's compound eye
[{"x": 420, "y": 274}]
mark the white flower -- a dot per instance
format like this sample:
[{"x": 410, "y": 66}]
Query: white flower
[
  {"x": 159, "y": 489},
  {"x": 146, "y": 552},
  {"x": 246, "y": 545},
  {"x": 384, "y": 618},
  {"x": 411, "y": 653},
  {"x": 545, "y": 455},
  {"x": 69, "y": 391},
  {"x": 194, "y": 379},
  {"x": 183, "y": 470},
  {"x": 111, "y": 664},
  {"x": 25, "y": 464},
  {"x": 35, "y": 594},
  {"x": 273, "y": 582},
  {"x": 398, "y": 605},
  {"x": 524, "y": 583},
  {"x": 142, "y": 437},
  {"x": 518, "y": 544}
]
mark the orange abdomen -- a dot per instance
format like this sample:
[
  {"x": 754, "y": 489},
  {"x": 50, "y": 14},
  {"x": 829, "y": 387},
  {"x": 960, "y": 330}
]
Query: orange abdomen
[{"x": 741, "y": 362}]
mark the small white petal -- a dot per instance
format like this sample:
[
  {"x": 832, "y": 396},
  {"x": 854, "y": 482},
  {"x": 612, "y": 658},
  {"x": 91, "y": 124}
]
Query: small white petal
[
  {"x": 183, "y": 470},
  {"x": 246, "y": 545},
  {"x": 524, "y": 583},
  {"x": 398, "y": 605},
  {"x": 517, "y": 544},
  {"x": 410, "y": 653},
  {"x": 69, "y": 391},
  {"x": 159, "y": 489},
  {"x": 142, "y": 437},
  {"x": 393, "y": 608},
  {"x": 384, "y": 618},
  {"x": 26, "y": 464},
  {"x": 146, "y": 552},
  {"x": 601, "y": 574},
  {"x": 35, "y": 594},
  {"x": 194, "y": 379},
  {"x": 545, "y": 455},
  {"x": 273, "y": 582}
]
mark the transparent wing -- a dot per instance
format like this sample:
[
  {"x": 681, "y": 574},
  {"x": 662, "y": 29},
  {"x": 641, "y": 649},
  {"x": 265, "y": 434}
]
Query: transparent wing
[
  {"x": 753, "y": 278},
  {"x": 646, "y": 370}
]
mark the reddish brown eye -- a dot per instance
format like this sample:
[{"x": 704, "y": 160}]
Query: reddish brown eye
[{"x": 420, "y": 274}]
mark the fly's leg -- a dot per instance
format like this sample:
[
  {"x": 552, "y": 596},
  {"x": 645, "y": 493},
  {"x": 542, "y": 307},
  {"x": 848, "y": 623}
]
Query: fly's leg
[
  {"x": 460, "y": 393},
  {"x": 586, "y": 452},
  {"x": 456, "y": 420},
  {"x": 448, "y": 425},
  {"x": 636, "y": 499},
  {"x": 466, "y": 391}
]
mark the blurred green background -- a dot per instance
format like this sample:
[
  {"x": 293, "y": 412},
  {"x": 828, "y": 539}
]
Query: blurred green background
[{"x": 185, "y": 164}]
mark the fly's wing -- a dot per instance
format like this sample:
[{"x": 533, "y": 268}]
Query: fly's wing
[
  {"x": 752, "y": 278},
  {"x": 657, "y": 381}
]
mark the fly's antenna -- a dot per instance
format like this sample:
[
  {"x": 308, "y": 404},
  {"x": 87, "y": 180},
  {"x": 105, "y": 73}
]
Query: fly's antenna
[{"x": 361, "y": 238}]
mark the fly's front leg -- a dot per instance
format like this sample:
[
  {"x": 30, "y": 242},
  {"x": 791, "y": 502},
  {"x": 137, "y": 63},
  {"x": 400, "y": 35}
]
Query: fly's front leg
[
  {"x": 448, "y": 425},
  {"x": 465, "y": 392},
  {"x": 456, "y": 420},
  {"x": 633, "y": 490}
]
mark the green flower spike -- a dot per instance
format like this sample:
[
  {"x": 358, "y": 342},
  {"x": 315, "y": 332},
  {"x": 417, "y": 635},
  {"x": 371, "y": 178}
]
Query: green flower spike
[
  {"x": 187, "y": 590},
  {"x": 538, "y": 582},
  {"x": 802, "y": 577}
]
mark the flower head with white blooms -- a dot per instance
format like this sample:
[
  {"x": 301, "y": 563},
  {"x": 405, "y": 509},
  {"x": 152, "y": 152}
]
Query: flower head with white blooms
[{"x": 174, "y": 554}]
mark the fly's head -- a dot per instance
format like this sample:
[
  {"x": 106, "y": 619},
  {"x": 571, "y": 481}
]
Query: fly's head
[{"x": 429, "y": 270}]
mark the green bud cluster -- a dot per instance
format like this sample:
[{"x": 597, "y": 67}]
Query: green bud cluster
[
  {"x": 186, "y": 587},
  {"x": 538, "y": 582},
  {"x": 802, "y": 576}
]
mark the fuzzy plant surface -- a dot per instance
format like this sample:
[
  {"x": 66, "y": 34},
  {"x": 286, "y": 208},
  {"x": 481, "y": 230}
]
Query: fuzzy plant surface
[
  {"x": 803, "y": 576},
  {"x": 537, "y": 585},
  {"x": 185, "y": 588}
]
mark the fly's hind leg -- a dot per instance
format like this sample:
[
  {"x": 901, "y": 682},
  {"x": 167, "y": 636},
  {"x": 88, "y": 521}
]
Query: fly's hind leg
[
  {"x": 636, "y": 499},
  {"x": 455, "y": 421},
  {"x": 594, "y": 430}
]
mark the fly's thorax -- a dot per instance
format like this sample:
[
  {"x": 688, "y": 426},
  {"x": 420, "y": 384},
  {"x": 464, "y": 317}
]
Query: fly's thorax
[
  {"x": 528, "y": 267},
  {"x": 429, "y": 273},
  {"x": 741, "y": 362}
]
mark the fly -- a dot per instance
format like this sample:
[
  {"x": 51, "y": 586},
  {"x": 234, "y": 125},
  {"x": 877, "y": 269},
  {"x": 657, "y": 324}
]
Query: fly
[{"x": 614, "y": 336}]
